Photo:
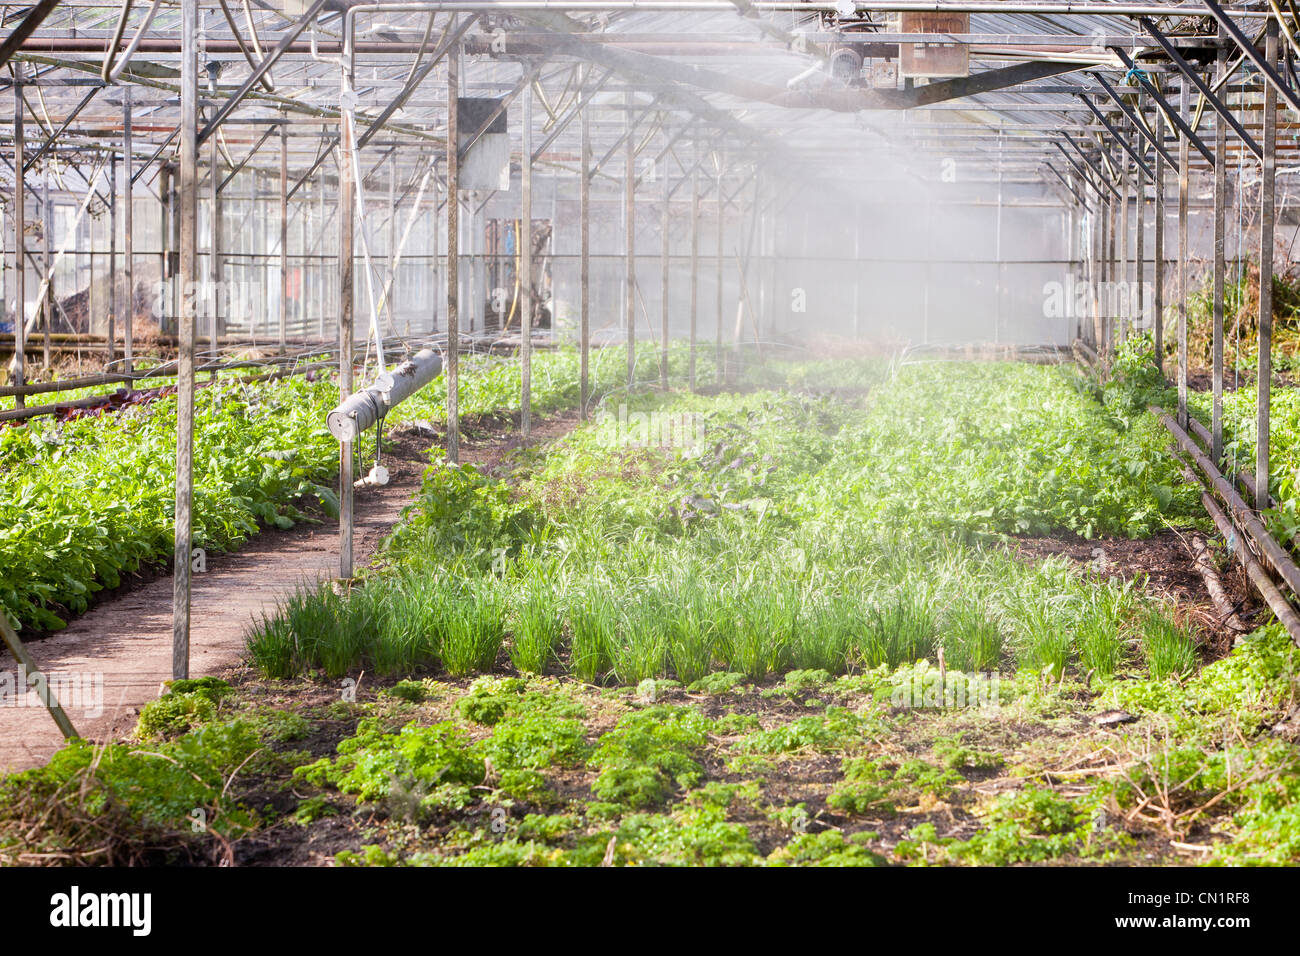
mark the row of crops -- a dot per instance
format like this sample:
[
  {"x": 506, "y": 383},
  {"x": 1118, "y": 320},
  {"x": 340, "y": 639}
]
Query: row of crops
[
  {"x": 801, "y": 532},
  {"x": 86, "y": 501}
]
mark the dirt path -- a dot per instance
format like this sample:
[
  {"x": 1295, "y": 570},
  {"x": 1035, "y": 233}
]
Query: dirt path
[{"x": 118, "y": 654}]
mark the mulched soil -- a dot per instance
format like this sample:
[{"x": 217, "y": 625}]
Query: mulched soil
[{"x": 1164, "y": 564}]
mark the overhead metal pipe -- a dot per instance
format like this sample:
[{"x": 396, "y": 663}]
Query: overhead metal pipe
[
  {"x": 360, "y": 412},
  {"x": 268, "y": 61}
]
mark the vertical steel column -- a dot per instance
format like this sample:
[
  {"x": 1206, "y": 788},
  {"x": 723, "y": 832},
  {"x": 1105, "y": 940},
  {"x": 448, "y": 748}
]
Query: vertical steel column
[
  {"x": 1220, "y": 194},
  {"x": 347, "y": 214},
  {"x": 174, "y": 219},
  {"x": 48, "y": 262},
  {"x": 1138, "y": 298},
  {"x": 584, "y": 256},
  {"x": 857, "y": 263},
  {"x": 1158, "y": 291},
  {"x": 1121, "y": 284},
  {"x": 524, "y": 240},
  {"x": 112, "y": 257},
  {"x": 320, "y": 260},
  {"x": 663, "y": 283},
  {"x": 164, "y": 241},
  {"x": 217, "y": 267},
  {"x": 1184, "y": 174},
  {"x": 760, "y": 268},
  {"x": 189, "y": 167},
  {"x": 20, "y": 241},
  {"x": 997, "y": 253},
  {"x": 1108, "y": 224},
  {"x": 91, "y": 302},
  {"x": 629, "y": 215},
  {"x": 695, "y": 260},
  {"x": 1266, "y": 211},
  {"x": 722, "y": 216},
  {"x": 284, "y": 236},
  {"x": 304, "y": 269},
  {"x": 1090, "y": 265},
  {"x": 433, "y": 213},
  {"x": 453, "y": 248},
  {"x": 1113, "y": 273},
  {"x": 128, "y": 224},
  {"x": 392, "y": 245}
]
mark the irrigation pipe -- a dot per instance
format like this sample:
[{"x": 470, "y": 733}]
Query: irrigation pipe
[{"x": 114, "y": 65}]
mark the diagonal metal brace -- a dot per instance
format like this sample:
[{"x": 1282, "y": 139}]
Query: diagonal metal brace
[
  {"x": 1252, "y": 53},
  {"x": 1135, "y": 120},
  {"x": 1087, "y": 159},
  {"x": 1117, "y": 137},
  {"x": 1219, "y": 106},
  {"x": 1165, "y": 105},
  {"x": 1066, "y": 183}
]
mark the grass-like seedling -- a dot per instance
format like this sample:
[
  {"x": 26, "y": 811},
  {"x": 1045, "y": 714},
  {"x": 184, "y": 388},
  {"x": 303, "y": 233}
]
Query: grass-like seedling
[
  {"x": 314, "y": 628},
  {"x": 272, "y": 647},
  {"x": 1044, "y": 642},
  {"x": 641, "y": 645},
  {"x": 827, "y": 634},
  {"x": 1098, "y": 631},
  {"x": 972, "y": 641},
  {"x": 409, "y": 624},
  {"x": 539, "y": 623},
  {"x": 692, "y": 631},
  {"x": 1169, "y": 649},
  {"x": 474, "y": 628},
  {"x": 764, "y": 626},
  {"x": 593, "y": 629},
  {"x": 899, "y": 631}
]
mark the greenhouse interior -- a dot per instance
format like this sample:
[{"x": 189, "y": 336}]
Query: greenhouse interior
[{"x": 650, "y": 433}]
